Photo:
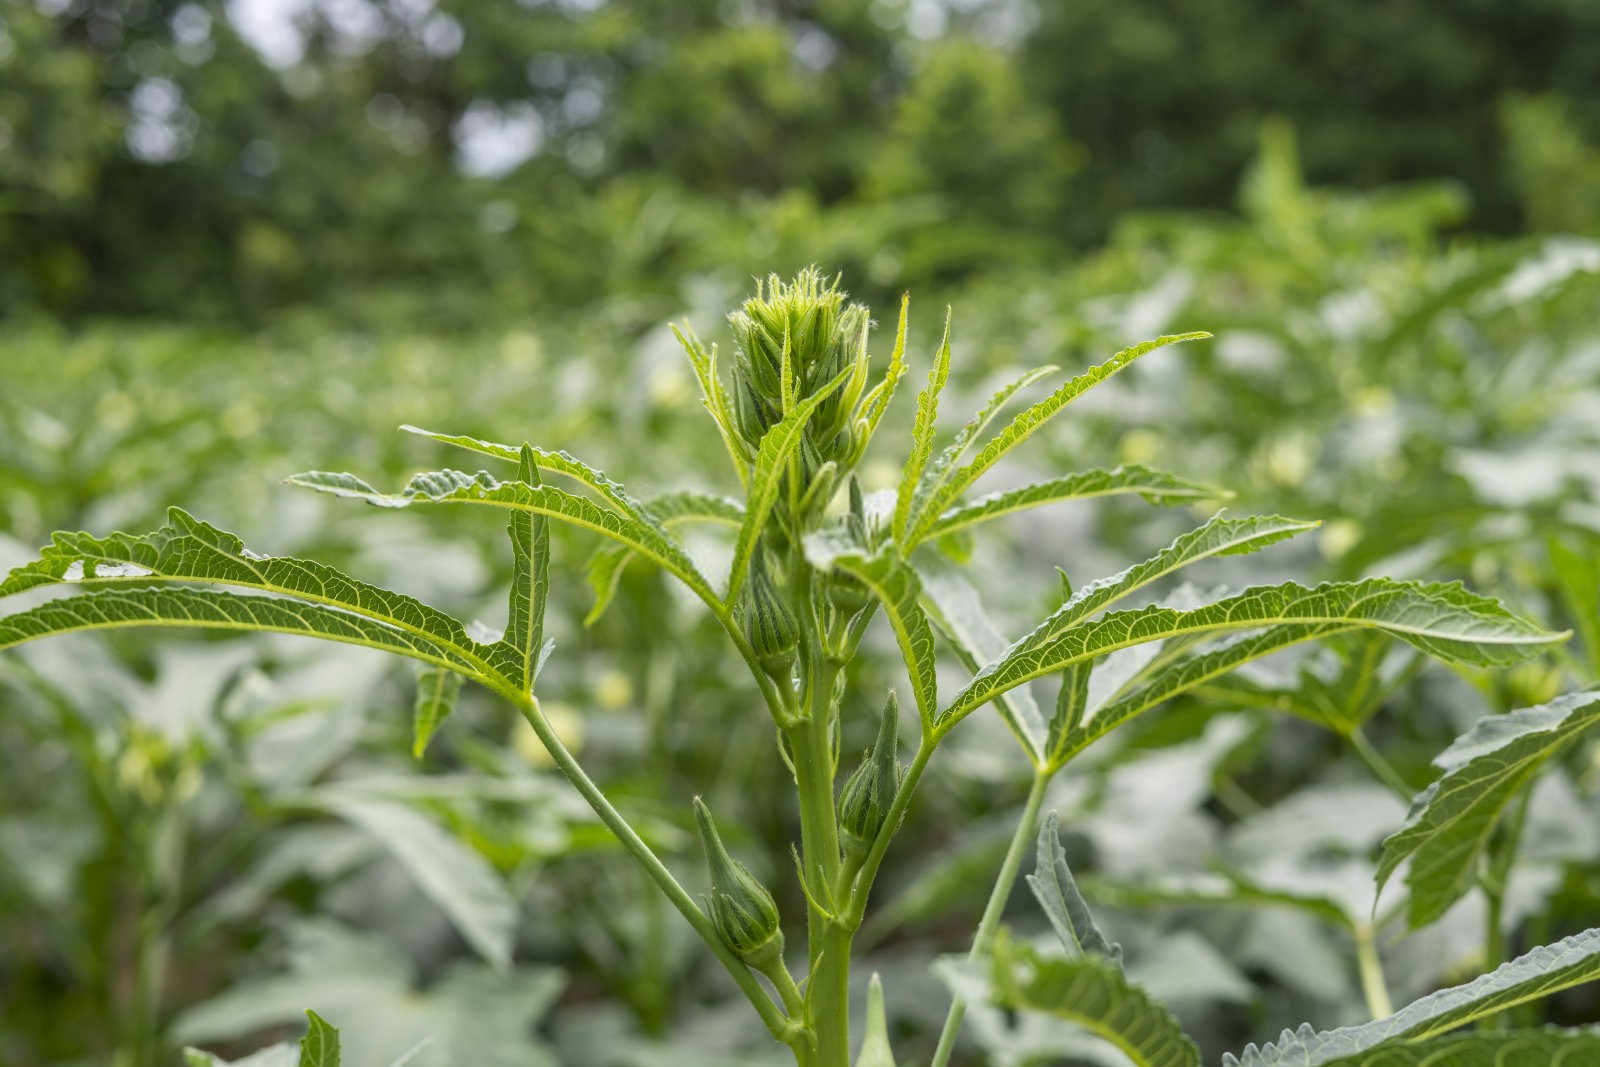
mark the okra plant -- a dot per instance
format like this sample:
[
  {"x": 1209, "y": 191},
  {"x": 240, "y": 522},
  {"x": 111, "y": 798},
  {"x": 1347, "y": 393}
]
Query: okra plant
[{"x": 814, "y": 560}]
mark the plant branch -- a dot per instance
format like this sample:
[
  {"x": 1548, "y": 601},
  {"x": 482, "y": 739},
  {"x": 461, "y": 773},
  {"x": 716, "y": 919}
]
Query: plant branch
[
  {"x": 1382, "y": 768},
  {"x": 1373, "y": 986},
  {"x": 781, "y": 1027},
  {"x": 989, "y": 924}
]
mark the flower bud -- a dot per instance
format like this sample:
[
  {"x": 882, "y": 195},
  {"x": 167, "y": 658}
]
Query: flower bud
[
  {"x": 768, "y": 623},
  {"x": 869, "y": 791},
  {"x": 741, "y": 909},
  {"x": 752, "y": 416}
]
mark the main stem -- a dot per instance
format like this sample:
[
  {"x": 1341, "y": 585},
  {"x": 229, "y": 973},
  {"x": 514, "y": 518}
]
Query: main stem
[
  {"x": 828, "y": 983},
  {"x": 1373, "y": 986},
  {"x": 990, "y": 922}
]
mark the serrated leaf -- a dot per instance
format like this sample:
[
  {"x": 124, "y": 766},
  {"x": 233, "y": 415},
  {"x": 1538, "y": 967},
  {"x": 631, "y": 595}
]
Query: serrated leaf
[
  {"x": 895, "y": 584},
  {"x": 777, "y": 448},
  {"x": 1156, "y": 487},
  {"x": 614, "y": 496},
  {"x": 530, "y": 579},
  {"x": 1057, "y": 893},
  {"x": 922, "y": 430},
  {"x": 954, "y": 607},
  {"x": 120, "y": 608},
  {"x": 876, "y": 402},
  {"x": 320, "y": 1046},
  {"x": 875, "y": 1050},
  {"x": 437, "y": 691},
  {"x": 714, "y": 396},
  {"x": 1094, "y": 993},
  {"x": 1537, "y": 974},
  {"x": 1072, "y": 703},
  {"x": 453, "y": 876},
  {"x": 1549, "y": 1047},
  {"x": 1027, "y": 423},
  {"x": 189, "y": 550},
  {"x": 1443, "y": 620},
  {"x": 1159, "y": 680},
  {"x": 941, "y": 468},
  {"x": 456, "y": 487},
  {"x": 1449, "y": 823},
  {"x": 1219, "y": 535}
]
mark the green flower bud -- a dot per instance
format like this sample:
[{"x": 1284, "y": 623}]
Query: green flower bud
[
  {"x": 741, "y": 909},
  {"x": 869, "y": 791},
  {"x": 768, "y": 623},
  {"x": 752, "y": 416}
]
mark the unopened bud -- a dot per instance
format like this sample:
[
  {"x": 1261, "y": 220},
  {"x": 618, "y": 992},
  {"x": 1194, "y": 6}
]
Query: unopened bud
[
  {"x": 741, "y": 909},
  {"x": 769, "y": 624},
  {"x": 869, "y": 791}
]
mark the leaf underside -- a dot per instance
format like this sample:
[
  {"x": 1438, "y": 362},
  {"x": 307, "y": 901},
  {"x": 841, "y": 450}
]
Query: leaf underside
[{"x": 1539, "y": 973}]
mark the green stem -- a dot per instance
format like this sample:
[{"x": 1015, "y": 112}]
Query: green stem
[
  {"x": 828, "y": 984},
  {"x": 778, "y": 1024},
  {"x": 1379, "y": 766},
  {"x": 990, "y": 923},
  {"x": 1373, "y": 986}
]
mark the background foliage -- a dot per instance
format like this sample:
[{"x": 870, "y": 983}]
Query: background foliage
[{"x": 242, "y": 240}]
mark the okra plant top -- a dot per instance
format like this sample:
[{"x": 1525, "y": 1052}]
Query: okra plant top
[{"x": 813, "y": 562}]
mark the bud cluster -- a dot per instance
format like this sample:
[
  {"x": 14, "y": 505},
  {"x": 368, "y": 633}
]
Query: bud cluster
[{"x": 793, "y": 339}]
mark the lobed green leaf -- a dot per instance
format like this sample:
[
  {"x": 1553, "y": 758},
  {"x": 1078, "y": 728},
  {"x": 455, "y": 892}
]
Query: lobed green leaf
[
  {"x": 1057, "y": 893},
  {"x": 1449, "y": 823},
  {"x": 1156, "y": 487},
  {"x": 1539, "y": 973},
  {"x": 1093, "y": 992},
  {"x": 530, "y": 580},
  {"x": 481, "y": 489},
  {"x": 922, "y": 431},
  {"x": 1028, "y": 422},
  {"x": 1443, "y": 620}
]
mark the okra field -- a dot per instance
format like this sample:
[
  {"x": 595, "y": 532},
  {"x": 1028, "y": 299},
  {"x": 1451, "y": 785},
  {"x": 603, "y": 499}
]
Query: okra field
[{"x": 937, "y": 533}]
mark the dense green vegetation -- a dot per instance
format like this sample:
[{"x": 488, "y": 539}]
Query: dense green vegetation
[{"x": 218, "y": 268}]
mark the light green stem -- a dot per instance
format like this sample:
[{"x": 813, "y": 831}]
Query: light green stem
[
  {"x": 1373, "y": 986},
  {"x": 777, "y": 1023},
  {"x": 990, "y": 923},
  {"x": 1379, "y": 766}
]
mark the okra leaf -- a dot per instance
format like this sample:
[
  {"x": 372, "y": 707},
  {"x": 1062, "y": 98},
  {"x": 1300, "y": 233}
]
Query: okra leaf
[
  {"x": 1450, "y": 822},
  {"x": 942, "y": 465},
  {"x": 320, "y": 1046},
  {"x": 895, "y": 584},
  {"x": 1549, "y": 1047},
  {"x": 559, "y": 462},
  {"x": 1156, "y": 487},
  {"x": 955, "y": 609},
  {"x": 1028, "y": 422},
  {"x": 189, "y": 550},
  {"x": 714, "y": 396},
  {"x": 1443, "y": 620},
  {"x": 1093, "y": 992},
  {"x": 922, "y": 430},
  {"x": 530, "y": 580},
  {"x": 876, "y": 402},
  {"x": 105, "y": 609},
  {"x": 1057, "y": 893},
  {"x": 1537, "y": 974},
  {"x": 437, "y": 691},
  {"x": 777, "y": 447},
  {"x": 1220, "y": 535},
  {"x": 481, "y": 489}
]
